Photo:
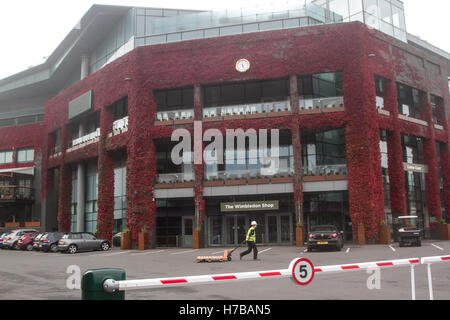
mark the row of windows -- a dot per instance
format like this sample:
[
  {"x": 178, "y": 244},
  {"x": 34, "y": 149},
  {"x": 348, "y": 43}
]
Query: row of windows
[
  {"x": 21, "y": 120},
  {"x": 311, "y": 86},
  {"x": 23, "y": 156}
]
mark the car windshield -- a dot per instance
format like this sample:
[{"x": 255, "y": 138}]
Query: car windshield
[
  {"x": 408, "y": 223},
  {"x": 44, "y": 236},
  {"x": 323, "y": 228},
  {"x": 66, "y": 236}
]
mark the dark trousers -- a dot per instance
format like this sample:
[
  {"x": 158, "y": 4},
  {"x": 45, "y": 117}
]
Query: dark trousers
[{"x": 251, "y": 246}]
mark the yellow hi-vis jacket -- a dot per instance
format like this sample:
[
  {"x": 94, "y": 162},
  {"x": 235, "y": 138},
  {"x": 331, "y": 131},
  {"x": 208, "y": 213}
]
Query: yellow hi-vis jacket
[{"x": 251, "y": 235}]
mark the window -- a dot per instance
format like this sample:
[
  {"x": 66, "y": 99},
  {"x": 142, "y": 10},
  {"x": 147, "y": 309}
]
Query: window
[
  {"x": 25, "y": 155},
  {"x": 323, "y": 148},
  {"x": 88, "y": 236},
  {"x": 320, "y": 85},
  {"x": 409, "y": 101},
  {"x": 246, "y": 92},
  {"x": 120, "y": 109},
  {"x": 6, "y": 157},
  {"x": 175, "y": 99}
]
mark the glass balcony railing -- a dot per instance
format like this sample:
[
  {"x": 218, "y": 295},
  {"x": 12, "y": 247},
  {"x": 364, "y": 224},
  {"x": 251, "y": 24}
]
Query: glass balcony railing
[
  {"x": 380, "y": 102},
  {"x": 175, "y": 115},
  {"x": 14, "y": 193},
  {"x": 120, "y": 124},
  {"x": 246, "y": 109},
  {"x": 89, "y": 138},
  {"x": 246, "y": 174},
  {"x": 321, "y": 103},
  {"x": 325, "y": 170},
  {"x": 169, "y": 178}
]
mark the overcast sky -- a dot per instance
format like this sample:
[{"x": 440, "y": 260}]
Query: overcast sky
[{"x": 31, "y": 30}]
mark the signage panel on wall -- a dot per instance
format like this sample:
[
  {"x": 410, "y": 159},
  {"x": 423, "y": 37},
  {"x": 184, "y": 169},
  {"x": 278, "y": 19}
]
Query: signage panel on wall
[
  {"x": 249, "y": 206},
  {"x": 415, "y": 167}
]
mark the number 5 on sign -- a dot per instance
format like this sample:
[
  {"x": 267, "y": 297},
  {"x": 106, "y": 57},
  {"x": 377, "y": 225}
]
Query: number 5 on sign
[{"x": 302, "y": 271}]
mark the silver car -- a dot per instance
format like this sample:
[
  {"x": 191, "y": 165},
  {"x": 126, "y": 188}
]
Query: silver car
[
  {"x": 11, "y": 240},
  {"x": 74, "y": 242}
]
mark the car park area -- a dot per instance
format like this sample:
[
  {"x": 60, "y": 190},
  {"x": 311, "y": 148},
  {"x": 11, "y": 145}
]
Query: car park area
[{"x": 43, "y": 276}]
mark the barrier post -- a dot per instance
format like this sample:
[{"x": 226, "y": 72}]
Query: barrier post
[
  {"x": 92, "y": 284},
  {"x": 413, "y": 284},
  {"x": 430, "y": 281}
]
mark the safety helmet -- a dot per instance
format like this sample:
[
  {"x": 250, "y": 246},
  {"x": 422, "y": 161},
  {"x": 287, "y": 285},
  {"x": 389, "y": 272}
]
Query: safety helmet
[{"x": 254, "y": 223}]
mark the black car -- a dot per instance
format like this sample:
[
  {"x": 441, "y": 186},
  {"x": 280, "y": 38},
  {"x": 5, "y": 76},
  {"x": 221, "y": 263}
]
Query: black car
[
  {"x": 325, "y": 236},
  {"x": 117, "y": 239},
  {"x": 49, "y": 241},
  {"x": 409, "y": 233}
]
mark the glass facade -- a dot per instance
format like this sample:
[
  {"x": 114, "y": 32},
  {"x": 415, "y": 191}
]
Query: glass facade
[
  {"x": 328, "y": 208},
  {"x": 247, "y": 163},
  {"x": 91, "y": 209},
  {"x": 120, "y": 195},
  {"x": 118, "y": 42},
  {"x": 385, "y": 170},
  {"x": 323, "y": 149},
  {"x": 415, "y": 181}
]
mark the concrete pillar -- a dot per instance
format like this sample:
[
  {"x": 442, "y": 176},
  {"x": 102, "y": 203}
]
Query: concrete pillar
[
  {"x": 84, "y": 66},
  {"x": 81, "y": 188}
]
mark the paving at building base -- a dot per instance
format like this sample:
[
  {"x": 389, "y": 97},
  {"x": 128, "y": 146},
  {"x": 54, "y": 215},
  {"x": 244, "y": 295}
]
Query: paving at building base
[{"x": 36, "y": 275}]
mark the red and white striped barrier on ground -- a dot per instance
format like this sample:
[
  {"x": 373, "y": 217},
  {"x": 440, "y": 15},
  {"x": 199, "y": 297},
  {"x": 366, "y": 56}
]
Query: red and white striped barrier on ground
[{"x": 113, "y": 286}]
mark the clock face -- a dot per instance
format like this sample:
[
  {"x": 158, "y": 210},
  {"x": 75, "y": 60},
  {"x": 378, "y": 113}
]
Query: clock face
[{"x": 243, "y": 65}]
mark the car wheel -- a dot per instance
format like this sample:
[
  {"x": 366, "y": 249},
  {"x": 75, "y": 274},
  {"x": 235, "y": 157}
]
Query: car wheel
[
  {"x": 29, "y": 247},
  {"x": 53, "y": 248},
  {"x": 16, "y": 246},
  {"x": 72, "y": 249},
  {"x": 338, "y": 247},
  {"x": 105, "y": 246},
  {"x": 309, "y": 249}
]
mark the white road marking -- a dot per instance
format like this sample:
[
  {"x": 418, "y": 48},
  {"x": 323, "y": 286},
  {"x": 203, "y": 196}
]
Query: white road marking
[
  {"x": 264, "y": 250},
  {"x": 146, "y": 252},
  {"x": 185, "y": 251},
  {"x": 392, "y": 248},
  {"x": 348, "y": 250},
  {"x": 437, "y": 247},
  {"x": 107, "y": 254}
]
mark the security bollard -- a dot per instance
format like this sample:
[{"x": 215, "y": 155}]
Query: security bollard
[{"x": 92, "y": 284}]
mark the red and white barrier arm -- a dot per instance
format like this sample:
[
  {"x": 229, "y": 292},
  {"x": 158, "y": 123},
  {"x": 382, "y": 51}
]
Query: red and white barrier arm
[
  {"x": 437, "y": 259},
  {"x": 113, "y": 286},
  {"x": 367, "y": 265}
]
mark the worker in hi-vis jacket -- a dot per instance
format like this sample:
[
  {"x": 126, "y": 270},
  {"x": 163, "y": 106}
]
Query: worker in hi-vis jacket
[{"x": 251, "y": 242}]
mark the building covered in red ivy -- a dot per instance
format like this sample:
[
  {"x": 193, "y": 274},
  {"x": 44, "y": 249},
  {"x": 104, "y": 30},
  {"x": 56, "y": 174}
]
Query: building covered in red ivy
[{"x": 359, "y": 106}]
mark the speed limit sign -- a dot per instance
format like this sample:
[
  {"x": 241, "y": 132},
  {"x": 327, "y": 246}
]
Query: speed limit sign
[{"x": 302, "y": 271}]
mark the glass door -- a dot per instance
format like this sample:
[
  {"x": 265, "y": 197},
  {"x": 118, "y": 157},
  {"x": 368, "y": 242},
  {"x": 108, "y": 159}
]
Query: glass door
[
  {"x": 186, "y": 229},
  {"x": 241, "y": 229},
  {"x": 272, "y": 229},
  {"x": 215, "y": 227}
]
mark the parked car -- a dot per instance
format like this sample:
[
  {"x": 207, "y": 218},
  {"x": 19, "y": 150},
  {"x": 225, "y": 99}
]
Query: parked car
[
  {"x": 36, "y": 241},
  {"x": 2, "y": 238},
  {"x": 74, "y": 242},
  {"x": 117, "y": 239},
  {"x": 49, "y": 241},
  {"x": 11, "y": 240},
  {"x": 26, "y": 241},
  {"x": 325, "y": 236},
  {"x": 409, "y": 233}
]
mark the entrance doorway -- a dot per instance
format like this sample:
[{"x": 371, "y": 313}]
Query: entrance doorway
[
  {"x": 187, "y": 224},
  {"x": 272, "y": 228}
]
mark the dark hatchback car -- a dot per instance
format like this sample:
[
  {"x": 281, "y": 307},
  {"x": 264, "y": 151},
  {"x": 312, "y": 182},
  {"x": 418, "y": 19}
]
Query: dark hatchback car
[
  {"x": 325, "y": 236},
  {"x": 49, "y": 241}
]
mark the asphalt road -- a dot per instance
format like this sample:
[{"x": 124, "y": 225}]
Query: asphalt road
[{"x": 36, "y": 275}]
